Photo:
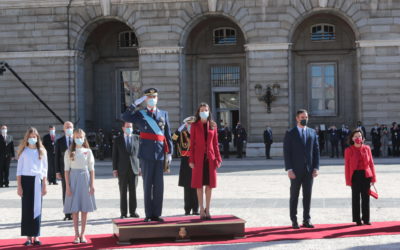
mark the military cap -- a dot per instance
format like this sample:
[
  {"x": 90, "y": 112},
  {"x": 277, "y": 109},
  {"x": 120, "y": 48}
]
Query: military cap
[
  {"x": 151, "y": 92},
  {"x": 189, "y": 119}
]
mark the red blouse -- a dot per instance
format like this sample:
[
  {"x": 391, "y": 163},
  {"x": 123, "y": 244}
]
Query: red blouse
[{"x": 359, "y": 159}]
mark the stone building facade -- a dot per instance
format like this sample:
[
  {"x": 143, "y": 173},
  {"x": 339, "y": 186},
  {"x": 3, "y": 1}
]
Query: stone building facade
[{"x": 87, "y": 59}]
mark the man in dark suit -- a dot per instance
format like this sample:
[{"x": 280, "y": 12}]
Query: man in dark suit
[
  {"x": 334, "y": 138},
  {"x": 62, "y": 145},
  {"x": 6, "y": 154},
  {"x": 49, "y": 141},
  {"x": 240, "y": 137},
  {"x": 268, "y": 141},
  {"x": 225, "y": 137},
  {"x": 344, "y": 136},
  {"x": 301, "y": 154},
  {"x": 126, "y": 168},
  {"x": 155, "y": 151},
  {"x": 376, "y": 140}
]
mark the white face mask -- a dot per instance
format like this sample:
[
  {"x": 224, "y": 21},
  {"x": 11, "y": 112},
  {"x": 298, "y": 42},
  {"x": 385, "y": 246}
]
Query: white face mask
[
  {"x": 4, "y": 131},
  {"x": 69, "y": 131},
  {"x": 52, "y": 132}
]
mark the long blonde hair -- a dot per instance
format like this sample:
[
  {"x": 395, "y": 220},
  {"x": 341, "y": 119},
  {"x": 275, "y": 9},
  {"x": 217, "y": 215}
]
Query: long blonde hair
[
  {"x": 24, "y": 143},
  {"x": 72, "y": 148}
]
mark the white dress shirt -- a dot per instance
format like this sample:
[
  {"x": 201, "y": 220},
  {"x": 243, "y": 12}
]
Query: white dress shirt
[{"x": 29, "y": 163}]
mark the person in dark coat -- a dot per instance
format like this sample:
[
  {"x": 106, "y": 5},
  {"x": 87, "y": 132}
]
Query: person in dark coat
[
  {"x": 344, "y": 135},
  {"x": 49, "y": 141},
  {"x": 301, "y": 155},
  {"x": 376, "y": 140},
  {"x": 268, "y": 141},
  {"x": 6, "y": 154},
  {"x": 395, "y": 132},
  {"x": 240, "y": 137},
  {"x": 321, "y": 139},
  {"x": 61, "y": 146},
  {"x": 182, "y": 139},
  {"x": 362, "y": 128},
  {"x": 225, "y": 137},
  {"x": 334, "y": 138},
  {"x": 126, "y": 167}
]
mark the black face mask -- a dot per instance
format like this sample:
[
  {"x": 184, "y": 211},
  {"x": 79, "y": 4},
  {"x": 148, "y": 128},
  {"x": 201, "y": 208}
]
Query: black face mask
[{"x": 303, "y": 122}]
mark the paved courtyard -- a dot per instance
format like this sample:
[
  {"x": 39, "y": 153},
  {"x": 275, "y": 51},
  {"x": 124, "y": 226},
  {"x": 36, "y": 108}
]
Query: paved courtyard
[{"x": 252, "y": 188}]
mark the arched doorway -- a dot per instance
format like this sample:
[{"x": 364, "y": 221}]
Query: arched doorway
[
  {"x": 108, "y": 78},
  {"x": 324, "y": 70},
  {"x": 215, "y": 70}
]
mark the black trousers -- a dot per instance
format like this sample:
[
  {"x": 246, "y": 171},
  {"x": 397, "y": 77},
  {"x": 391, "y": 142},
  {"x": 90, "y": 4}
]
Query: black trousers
[
  {"x": 190, "y": 197},
  {"x": 335, "y": 149},
  {"x": 360, "y": 188},
  {"x": 240, "y": 149},
  {"x": 128, "y": 183},
  {"x": 4, "y": 170},
  {"x": 305, "y": 182},
  {"x": 51, "y": 171},
  {"x": 376, "y": 150},
  {"x": 64, "y": 187},
  {"x": 226, "y": 149},
  {"x": 29, "y": 226},
  {"x": 267, "y": 150}
]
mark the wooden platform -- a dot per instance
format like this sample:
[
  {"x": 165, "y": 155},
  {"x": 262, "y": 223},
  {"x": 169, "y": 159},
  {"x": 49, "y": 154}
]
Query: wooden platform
[{"x": 178, "y": 228}]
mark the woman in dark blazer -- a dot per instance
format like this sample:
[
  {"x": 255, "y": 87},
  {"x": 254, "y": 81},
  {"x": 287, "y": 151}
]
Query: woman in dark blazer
[
  {"x": 204, "y": 157},
  {"x": 360, "y": 174}
]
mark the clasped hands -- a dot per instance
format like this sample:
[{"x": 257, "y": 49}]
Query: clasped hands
[{"x": 292, "y": 175}]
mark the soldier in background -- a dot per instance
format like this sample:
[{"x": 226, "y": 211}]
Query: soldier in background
[
  {"x": 100, "y": 143},
  {"x": 49, "y": 141},
  {"x": 268, "y": 141},
  {"x": 182, "y": 139},
  {"x": 240, "y": 137},
  {"x": 376, "y": 140},
  {"x": 334, "y": 138},
  {"x": 225, "y": 137},
  {"x": 344, "y": 134}
]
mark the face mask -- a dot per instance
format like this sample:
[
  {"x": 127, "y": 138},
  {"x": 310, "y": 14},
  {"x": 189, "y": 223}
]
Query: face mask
[
  {"x": 204, "y": 115},
  {"x": 358, "y": 140},
  {"x": 4, "y": 131},
  {"x": 152, "y": 102},
  {"x": 32, "y": 141},
  {"x": 52, "y": 132},
  {"x": 69, "y": 131},
  {"x": 128, "y": 131},
  {"x": 79, "y": 141},
  {"x": 303, "y": 122}
]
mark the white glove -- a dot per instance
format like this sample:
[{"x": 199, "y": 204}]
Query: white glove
[
  {"x": 169, "y": 159},
  {"x": 244, "y": 141},
  {"x": 140, "y": 100},
  {"x": 181, "y": 127}
]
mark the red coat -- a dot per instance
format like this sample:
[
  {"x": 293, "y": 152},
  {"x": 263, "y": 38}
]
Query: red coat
[
  {"x": 352, "y": 160},
  {"x": 198, "y": 148}
]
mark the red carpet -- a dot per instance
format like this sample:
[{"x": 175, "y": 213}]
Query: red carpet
[{"x": 263, "y": 234}]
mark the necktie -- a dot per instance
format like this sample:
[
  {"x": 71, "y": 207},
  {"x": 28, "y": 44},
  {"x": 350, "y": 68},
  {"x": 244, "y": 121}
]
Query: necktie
[
  {"x": 303, "y": 136},
  {"x": 69, "y": 141},
  {"x": 128, "y": 144}
]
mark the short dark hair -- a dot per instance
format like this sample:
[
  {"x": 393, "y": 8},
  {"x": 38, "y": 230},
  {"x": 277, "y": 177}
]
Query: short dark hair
[
  {"x": 301, "y": 111},
  {"x": 355, "y": 131},
  {"x": 51, "y": 126}
]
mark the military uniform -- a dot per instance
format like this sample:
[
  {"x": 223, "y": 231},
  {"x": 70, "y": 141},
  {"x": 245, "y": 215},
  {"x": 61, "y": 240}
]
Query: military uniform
[
  {"x": 182, "y": 139},
  {"x": 241, "y": 135},
  {"x": 225, "y": 137},
  {"x": 155, "y": 142}
]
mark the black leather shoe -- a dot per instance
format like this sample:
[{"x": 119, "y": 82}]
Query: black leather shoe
[
  {"x": 65, "y": 218},
  {"x": 122, "y": 217},
  {"x": 134, "y": 215},
  {"x": 55, "y": 183},
  {"x": 28, "y": 243},
  {"x": 308, "y": 224},
  {"x": 37, "y": 243},
  {"x": 367, "y": 223},
  {"x": 195, "y": 213},
  {"x": 69, "y": 217},
  {"x": 295, "y": 225},
  {"x": 159, "y": 219},
  {"x": 147, "y": 219},
  {"x": 358, "y": 223},
  {"x": 6, "y": 186}
]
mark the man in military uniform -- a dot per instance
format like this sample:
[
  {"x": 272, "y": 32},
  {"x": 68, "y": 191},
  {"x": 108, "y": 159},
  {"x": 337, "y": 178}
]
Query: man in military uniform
[
  {"x": 225, "y": 137},
  {"x": 182, "y": 139},
  {"x": 49, "y": 141},
  {"x": 154, "y": 151},
  {"x": 241, "y": 136},
  {"x": 268, "y": 141}
]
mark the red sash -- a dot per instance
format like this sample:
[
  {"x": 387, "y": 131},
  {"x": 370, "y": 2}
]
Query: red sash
[{"x": 154, "y": 137}]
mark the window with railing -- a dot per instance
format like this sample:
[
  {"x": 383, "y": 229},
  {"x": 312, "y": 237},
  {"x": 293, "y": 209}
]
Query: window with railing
[
  {"x": 127, "y": 39},
  {"x": 224, "y": 36},
  {"x": 225, "y": 76},
  {"x": 323, "y": 89},
  {"x": 323, "y": 32}
]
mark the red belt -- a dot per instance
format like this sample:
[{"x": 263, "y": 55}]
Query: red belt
[
  {"x": 185, "y": 153},
  {"x": 154, "y": 137}
]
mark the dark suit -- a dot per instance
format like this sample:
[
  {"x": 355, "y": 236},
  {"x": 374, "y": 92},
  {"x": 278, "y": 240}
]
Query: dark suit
[
  {"x": 240, "y": 137},
  {"x": 48, "y": 144},
  {"x": 6, "y": 153},
  {"x": 302, "y": 157},
  {"x": 60, "y": 148},
  {"x": 268, "y": 141},
  {"x": 225, "y": 137},
  {"x": 334, "y": 138},
  {"x": 126, "y": 162}
]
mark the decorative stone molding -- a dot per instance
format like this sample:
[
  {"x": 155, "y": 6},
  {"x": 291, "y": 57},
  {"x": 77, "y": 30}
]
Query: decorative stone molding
[
  {"x": 160, "y": 50},
  {"x": 106, "y": 7},
  {"x": 212, "y": 5},
  {"x": 267, "y": 46},
  {"x": 35, "y": 54},
  {"x": 377, "y": 43}
]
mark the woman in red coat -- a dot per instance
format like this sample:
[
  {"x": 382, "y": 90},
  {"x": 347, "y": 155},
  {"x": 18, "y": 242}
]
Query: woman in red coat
[
  {"x": 204, "y": 157},
  {"x": 360, "y": 174}
]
